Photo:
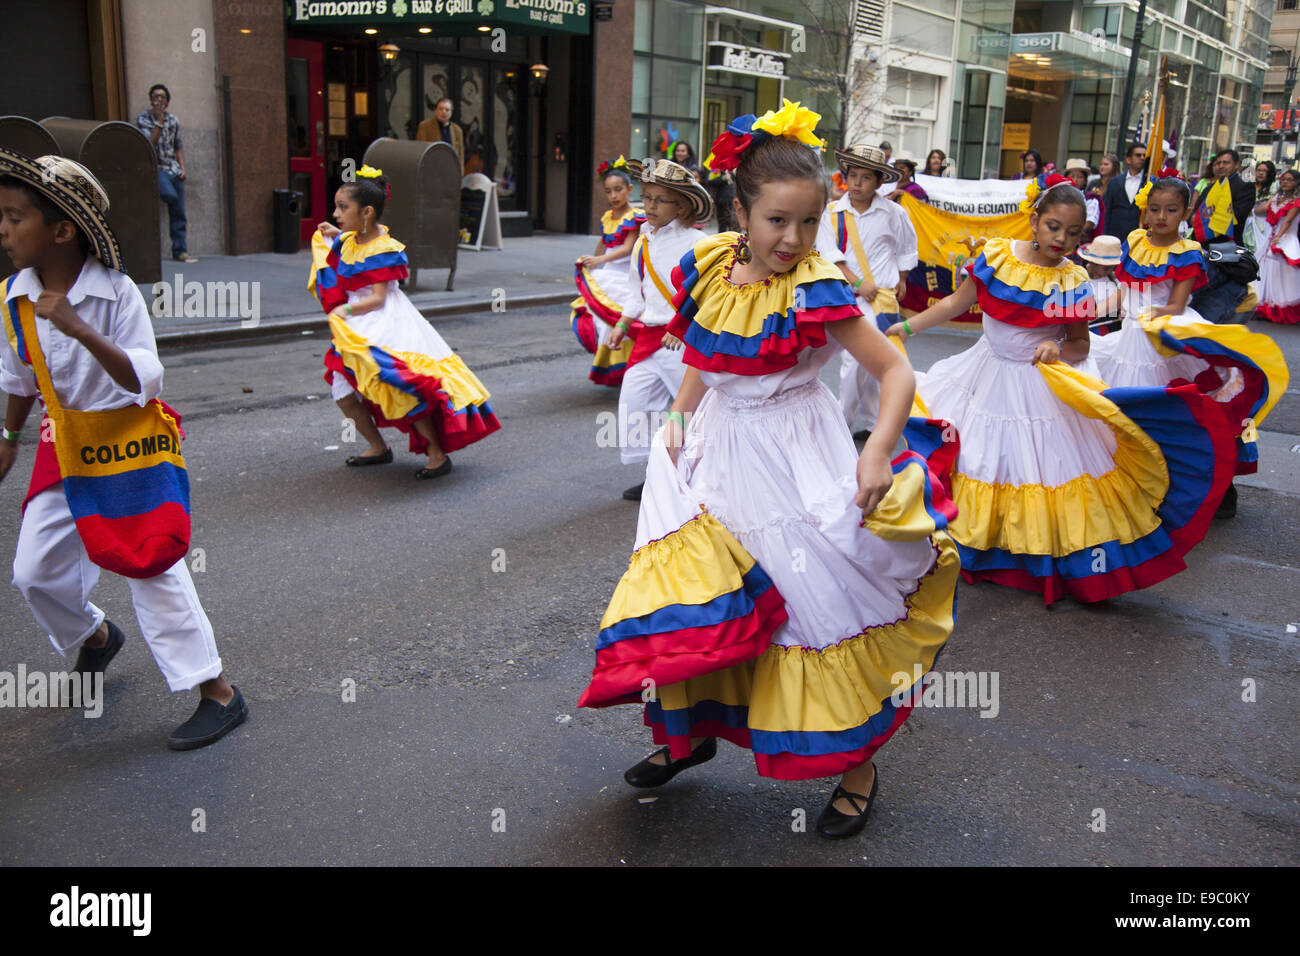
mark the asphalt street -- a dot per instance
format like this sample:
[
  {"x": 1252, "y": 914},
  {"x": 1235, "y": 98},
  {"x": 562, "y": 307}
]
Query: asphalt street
[{"x": 465, "y": 611}]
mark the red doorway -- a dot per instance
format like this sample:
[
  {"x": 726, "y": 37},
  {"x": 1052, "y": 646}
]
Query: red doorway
[{"x": 306, "y": 95}]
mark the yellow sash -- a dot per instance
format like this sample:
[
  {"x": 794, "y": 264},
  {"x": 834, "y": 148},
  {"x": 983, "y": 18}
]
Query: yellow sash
[
  {"x": 886, "y": 300},
  {"x": 650, "y": 270}
]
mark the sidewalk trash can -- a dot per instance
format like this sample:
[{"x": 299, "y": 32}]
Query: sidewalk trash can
[{"x": 288, "y": 219}]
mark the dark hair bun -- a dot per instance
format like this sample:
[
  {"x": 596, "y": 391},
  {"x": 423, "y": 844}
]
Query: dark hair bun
[{"x": 370, "y": 191}]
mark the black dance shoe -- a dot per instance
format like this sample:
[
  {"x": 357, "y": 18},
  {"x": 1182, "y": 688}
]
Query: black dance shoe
[
  {"x": 93, "y": 660},
  {"x": 838, "y": 826},
  {"x": 443, "y": 469},
  {"x": 633, "y": 493},
  {"x": 647, "y": 774},
  {"x": 361, "y": 461}
]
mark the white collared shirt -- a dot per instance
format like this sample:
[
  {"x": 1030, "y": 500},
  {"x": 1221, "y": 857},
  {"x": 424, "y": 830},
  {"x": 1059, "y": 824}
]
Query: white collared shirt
[
  {"x": 1132, "y": 183},
  {"x": 665, "y": 248},
  {"x": 111, "y": 304},
  {"x": 887, "y": 235}
]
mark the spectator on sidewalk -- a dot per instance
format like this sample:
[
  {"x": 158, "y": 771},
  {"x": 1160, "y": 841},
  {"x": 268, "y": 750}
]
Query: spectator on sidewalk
[
  {"x": 164, "y": 132},
  {"x": 439, "y": 128}
]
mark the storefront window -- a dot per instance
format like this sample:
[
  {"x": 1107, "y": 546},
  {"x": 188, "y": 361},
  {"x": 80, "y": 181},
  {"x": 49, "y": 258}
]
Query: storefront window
[{"x": 675, "y": 90}]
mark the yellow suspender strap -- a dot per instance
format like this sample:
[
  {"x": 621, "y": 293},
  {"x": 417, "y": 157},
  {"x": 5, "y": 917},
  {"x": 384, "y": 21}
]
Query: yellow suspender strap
[
  {"x": 886, "y": 301},
  {"x": 27, "y": 320},
  {"x": 654, "y": 276}
]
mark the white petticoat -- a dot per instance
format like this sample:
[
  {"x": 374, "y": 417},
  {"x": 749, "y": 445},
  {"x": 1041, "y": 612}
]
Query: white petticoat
[
  {"x": 781, "y": 474},
  {"x": 397, "y": 326}
]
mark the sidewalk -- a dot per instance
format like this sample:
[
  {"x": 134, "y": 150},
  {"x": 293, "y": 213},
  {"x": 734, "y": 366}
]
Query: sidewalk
[{"x": 270, "y": 296}]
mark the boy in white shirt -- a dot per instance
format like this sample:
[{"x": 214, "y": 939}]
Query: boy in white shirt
[
  {"x": 673, "y": 201},
  {"x": 872, "y": 241},
  {"x": 93, "y": 329}
]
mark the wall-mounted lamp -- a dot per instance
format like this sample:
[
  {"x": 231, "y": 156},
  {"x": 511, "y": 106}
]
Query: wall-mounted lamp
[{"x": 389, "y": 51}]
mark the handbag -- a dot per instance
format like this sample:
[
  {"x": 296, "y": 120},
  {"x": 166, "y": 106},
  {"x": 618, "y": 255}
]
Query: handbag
[
  {"x": 123, "y": 473},
  {"x": 1234, "y": 261}
]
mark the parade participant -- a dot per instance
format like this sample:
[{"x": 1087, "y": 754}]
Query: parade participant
[
  {"x": 1266, "y": 187},
  {"x": 78, "y": 335},
  {"x": 783, "y": 586},
  {"x": 1078, "y": 171},
  {"x": 934, "y": 162},
  {"x": 1223, "y": 209},
  {"x": 602, "y": 276},
  {"x": 874, "y": 244},
  {"x": 387, "y": 366},
  {"x": 1062, "y": 486},
  {"x": 1164, "y": 340},
  {"x": 905, "y": 166},
  {"x": 1102, "y": 255},
  {"x": 1107, "y": 170},
  {"x": 1279, "y": 260},
  {"x": 674, "y": 202}
]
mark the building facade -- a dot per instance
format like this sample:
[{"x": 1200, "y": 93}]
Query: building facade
[{"x": 1277, "y": 130}]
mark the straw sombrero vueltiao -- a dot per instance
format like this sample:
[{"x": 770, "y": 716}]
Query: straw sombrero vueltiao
[
  {"x": 75, "y": 190},
  {"x": 867, "y": 157},
  {"x": 666, "y": 173}
]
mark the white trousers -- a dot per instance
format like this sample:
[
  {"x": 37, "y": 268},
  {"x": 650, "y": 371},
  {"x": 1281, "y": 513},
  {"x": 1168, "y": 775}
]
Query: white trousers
[
  {"x": 648, "y": 390},
  {"x": 55, "y": 576},
  {"x": 859, "y": 393}
]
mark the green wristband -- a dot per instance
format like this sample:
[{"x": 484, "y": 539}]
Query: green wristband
[
  {"x": 857, "y": 285},
  {"x": 907, "y": 328},
  {"x": 348, "y": 309},
  {"x": 622, "y": 325},
  {"x": 677, "y": 417},
  {"x": 10, "y": 436}
]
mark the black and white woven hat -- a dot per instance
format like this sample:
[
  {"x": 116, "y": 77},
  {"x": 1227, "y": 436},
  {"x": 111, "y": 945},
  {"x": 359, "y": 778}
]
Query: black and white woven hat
[
  {"x": 664, "y": 172},
  {"x": 75, "y": 190}
]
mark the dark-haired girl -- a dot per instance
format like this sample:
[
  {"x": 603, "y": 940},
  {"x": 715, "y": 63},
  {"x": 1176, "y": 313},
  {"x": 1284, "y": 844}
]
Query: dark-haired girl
[
  {"x": 602, "y": 277},
  {"x": 387, "y": 366},
  {"x": 1164, "y": 340},
  {"x": 786, "y": 593},
  {"x": 1059, "y": 486}
]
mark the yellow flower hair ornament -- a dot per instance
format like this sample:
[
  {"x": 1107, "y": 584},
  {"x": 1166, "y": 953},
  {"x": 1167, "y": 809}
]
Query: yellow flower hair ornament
[
  {"x": 791, "y": 121},
  {"x": 369, "y": 172},
  {"x": 1143, "y": 196},
  {"x": 1038, "y": 187}
]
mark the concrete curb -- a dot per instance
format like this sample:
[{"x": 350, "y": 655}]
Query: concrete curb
[{"x": 290, "y": 325}]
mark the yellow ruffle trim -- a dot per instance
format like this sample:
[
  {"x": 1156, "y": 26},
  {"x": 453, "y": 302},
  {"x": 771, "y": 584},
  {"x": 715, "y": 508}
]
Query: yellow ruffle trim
[
  {"x": 1145, "y": 254},
  {"x": 741, "y": 310},
  {"x": 608, "y": 222},
  {"x": 1014, "y": 271},
  {"x": 1256, "y": 346},
  {"x": 601, "y": 296},
  {"x": 1081, "y": 513},
  {"x": 843, "y": 686},
  {"x": 461, "y": 385},
  {"x": 349, "y": 252},
  {"x": 698, "y": 562}
]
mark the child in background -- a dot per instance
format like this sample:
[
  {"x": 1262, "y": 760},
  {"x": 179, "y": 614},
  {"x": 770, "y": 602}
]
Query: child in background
[
  {"x": 602, "y": 276},
  {"x": 1062, "y": 486},
  {"x": 674, "y": 200},
  {"x": 874, "y": 244},
  {"x": 387, "y": 365}
]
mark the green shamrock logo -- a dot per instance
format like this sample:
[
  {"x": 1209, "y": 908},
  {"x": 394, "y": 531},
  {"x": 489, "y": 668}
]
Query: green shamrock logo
[{"x": 485, "y": 7}]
